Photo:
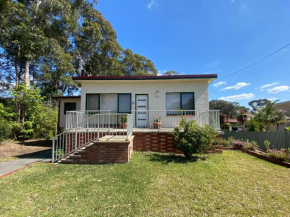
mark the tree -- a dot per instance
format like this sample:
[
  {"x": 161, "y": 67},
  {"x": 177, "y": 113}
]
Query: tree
[
  {"x": 268, "y": 114},
  {"x": 225, "y": 107},
  {"x": 171, "y": 73},
  {"x": 243, "y": 116},
  {"x": 50, "y": 41},
  {"x": 260, "y": 103}
]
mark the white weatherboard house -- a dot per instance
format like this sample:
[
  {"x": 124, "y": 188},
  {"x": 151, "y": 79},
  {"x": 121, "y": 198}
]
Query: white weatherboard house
[{"x": 107, "y": 102}]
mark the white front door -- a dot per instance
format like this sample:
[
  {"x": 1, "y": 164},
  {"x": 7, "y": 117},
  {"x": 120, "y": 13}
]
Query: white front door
[{"x": 141, "y": 113}]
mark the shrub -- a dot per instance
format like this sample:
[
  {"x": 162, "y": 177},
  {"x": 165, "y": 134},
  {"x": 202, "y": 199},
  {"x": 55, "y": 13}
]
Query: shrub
[
  {"x": 267, "y": 144},
  {"x": 226, "y": 143},
  {"x": 281, "y": 154},
  {"x": 253, "y": 125},
  {"x": 191, "y": 138},
  {"x": 287, "y": 128},
  {"x": 251, "y": 146}
]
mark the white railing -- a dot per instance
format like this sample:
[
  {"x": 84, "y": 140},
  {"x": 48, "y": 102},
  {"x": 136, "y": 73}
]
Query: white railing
[
  {"x": 157, "y": 119},
  {"x": 96, "y": 127},
  {"x": 73, "y": 118}
]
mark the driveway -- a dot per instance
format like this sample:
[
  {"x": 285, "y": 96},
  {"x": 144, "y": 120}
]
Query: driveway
[{"x": 24, "y": 160}]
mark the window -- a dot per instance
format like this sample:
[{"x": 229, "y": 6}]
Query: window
[
  {"x": 93, "y": 102},
  {"x": 124, "y": 103},
  {"x": 70, "y": 106},
  {"x": 177, "y": 101}
]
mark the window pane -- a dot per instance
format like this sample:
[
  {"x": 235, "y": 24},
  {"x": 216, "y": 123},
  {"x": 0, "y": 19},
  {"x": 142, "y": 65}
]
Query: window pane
[
  {"x": 124, "y": 103},
  {"x": 93, "y": 102},
  {"x": 187, "y": 101},
  {"x": 70, "y": 106},
  {"x": 109, "y": 102},
  {"x": 172, "y": 101}
]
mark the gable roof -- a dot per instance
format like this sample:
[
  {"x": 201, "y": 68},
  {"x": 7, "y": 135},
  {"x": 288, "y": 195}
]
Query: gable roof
[{"x": 209, "y": 77}]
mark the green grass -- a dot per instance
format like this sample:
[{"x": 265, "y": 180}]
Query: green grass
[{"x": 228, "y": 184}]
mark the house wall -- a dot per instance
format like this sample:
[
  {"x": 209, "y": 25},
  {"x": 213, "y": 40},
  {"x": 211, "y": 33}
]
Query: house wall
[
  {"x": 199, "y": 87},
  {"x": 62, "y": 118}
]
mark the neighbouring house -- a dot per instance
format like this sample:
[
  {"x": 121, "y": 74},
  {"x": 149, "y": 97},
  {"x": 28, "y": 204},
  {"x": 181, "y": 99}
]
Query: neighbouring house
[
  {"x": 233, "y": 122},
  {"x": 285, "y": 106},
  {"x": 114, "y": 112}
]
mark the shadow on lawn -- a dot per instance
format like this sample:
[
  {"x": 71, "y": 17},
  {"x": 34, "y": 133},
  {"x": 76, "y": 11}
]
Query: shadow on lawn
[
  {"x": 165, "y": 159},
  {"x": 38, "y": 154},
  {"x": 39, "y": 143}
]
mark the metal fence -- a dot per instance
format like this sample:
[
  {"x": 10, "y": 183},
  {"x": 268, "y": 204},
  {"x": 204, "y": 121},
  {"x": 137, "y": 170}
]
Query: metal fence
[{"x": 278, "y": 139}]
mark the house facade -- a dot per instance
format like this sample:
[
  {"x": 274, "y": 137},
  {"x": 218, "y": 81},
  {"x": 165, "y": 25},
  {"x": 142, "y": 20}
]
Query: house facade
[{"x": 144, "y": 107}]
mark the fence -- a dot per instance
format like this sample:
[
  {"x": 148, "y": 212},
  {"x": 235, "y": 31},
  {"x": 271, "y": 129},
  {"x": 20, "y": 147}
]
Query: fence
[{"x": 278, "y": 139}]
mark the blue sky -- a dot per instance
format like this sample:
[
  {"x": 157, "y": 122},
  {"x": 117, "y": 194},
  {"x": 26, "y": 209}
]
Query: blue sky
[{"x": 210, "y": 36}]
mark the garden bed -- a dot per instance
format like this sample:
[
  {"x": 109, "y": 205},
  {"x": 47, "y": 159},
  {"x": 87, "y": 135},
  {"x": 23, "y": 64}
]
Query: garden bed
[{"x": 264, "y": 156}]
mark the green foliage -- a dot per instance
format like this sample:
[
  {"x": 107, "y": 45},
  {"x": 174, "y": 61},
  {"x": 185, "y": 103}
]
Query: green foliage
[
  {"x": 251, "y": 146},
  {"x": 287, "y": 128},
  {"x": 46, "y": 121},
  {"x": 59, "y": 153},
  {"x": 54, "y": 40},
  {"x": 5, "y": 130},
  {"x": 123, "y": 119},
  {"x": 253, "y": 125},
  {"x": 27, "y": 115},
  {"x": 268, "y": 114},
  {"x": 267, "y": 144},
  {"x": 157, "y": 119},
  {"x": 225, "y": 107},
  {"x": 191, "y": 138},
  {"x": 228, "y": 142},
  {"x": 281, "y": 154}
]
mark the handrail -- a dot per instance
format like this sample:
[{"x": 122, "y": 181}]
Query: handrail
[{"x": 95, "y": 127}]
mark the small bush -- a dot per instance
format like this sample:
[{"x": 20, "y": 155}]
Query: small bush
[
  {"x": 267, "y": 144},
  {"x": 226, "y": 143},
  {"x": 281, "y": 154},
  {"x": 250, "y": 146},
  {"x": 191, "y": 138}
]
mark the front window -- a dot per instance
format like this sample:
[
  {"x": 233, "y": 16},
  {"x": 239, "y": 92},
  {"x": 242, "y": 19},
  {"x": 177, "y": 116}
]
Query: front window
[
  {"x": 179, "y": 101},
  {"x": 124, "y": 103},
  {"x": 93, "y": 102}
]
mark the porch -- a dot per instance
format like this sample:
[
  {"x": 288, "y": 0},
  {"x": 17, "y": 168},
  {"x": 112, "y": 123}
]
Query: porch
[{"x": 152, "y": 130}]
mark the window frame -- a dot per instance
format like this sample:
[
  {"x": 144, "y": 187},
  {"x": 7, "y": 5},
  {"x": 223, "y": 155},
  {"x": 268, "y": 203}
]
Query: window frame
[
  {"x": 64, "y": 107},
  {"x": 180, "y": 106},
  {"x": 99, "y": 104},
  {"x": 130, "y": 102}
]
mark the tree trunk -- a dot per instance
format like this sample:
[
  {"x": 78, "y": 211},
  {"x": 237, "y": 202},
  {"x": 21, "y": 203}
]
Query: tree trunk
[{"x": 27, "y": 78}]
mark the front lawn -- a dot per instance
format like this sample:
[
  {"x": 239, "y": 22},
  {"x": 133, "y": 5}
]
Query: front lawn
[{"x": 232, "y": 183}]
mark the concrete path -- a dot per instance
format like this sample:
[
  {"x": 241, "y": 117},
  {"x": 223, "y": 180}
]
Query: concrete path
[{"x": 25, "y": 160}]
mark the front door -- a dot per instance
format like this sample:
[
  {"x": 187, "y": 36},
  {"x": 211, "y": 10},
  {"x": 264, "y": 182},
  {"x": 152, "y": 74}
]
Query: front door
[{"x": 142, "y": 111}]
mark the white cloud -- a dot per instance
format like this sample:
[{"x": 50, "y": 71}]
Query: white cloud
[
  {"x": 219, "y": 83},
  {"x": 212, "y": 65},
  {"x": 278, "y": 89},
  {"x": 268, "y": 85},
  {"x": 237, "y": 97},
  {"x": 237, "y": 86},
  {"x": 152, "y": 4}
]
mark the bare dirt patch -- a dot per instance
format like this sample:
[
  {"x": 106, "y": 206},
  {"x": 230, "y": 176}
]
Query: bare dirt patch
[{"x": 14, "y": 149}]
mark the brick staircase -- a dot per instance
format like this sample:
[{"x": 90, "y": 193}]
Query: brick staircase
[{"x": 102, "y": 152}]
